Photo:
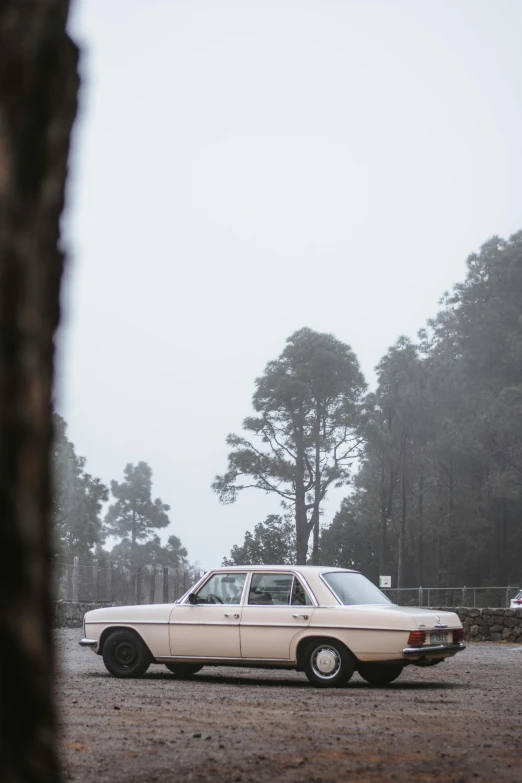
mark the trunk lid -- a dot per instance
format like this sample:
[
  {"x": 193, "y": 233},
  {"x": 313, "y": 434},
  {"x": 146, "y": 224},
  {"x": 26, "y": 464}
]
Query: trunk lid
[{"x": 431, "y": 619}]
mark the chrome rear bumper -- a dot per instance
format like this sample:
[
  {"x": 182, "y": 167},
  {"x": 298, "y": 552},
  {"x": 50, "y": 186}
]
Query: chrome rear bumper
[
  {"x": 88, "y": 642},
  {"x": 432, "y": 649}
]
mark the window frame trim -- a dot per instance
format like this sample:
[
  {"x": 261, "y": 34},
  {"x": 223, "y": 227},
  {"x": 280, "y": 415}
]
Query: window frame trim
[{"x": 183, "y": 600}]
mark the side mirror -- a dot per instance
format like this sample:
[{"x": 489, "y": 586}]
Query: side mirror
[{"x": 192, "y": 599}]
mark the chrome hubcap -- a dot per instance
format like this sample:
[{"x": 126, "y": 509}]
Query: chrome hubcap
[{"x": 326, "y": 662}]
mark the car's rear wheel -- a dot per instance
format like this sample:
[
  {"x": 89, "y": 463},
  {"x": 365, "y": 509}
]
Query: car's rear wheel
[
  {"x": 328, "y": 664},
  {"x": 125, "y": 654},
  {"x": 184, "y": 670},
  {"x": 379, "y": 673}
]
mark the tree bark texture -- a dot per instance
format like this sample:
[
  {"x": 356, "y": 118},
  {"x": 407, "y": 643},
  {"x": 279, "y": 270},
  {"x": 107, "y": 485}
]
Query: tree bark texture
[
  {"x": 38, "y": 89},
  {"x": 402, "y": 528},
  {"x": 383, "y": 526},
  {"x": 302, "y": 532},
  {"x": 420, "y": 534}
]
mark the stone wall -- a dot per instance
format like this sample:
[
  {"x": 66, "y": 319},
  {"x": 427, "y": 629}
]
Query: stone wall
[
  {"x": 491, "y": 625},
  {"x": 70, "y": 615}
]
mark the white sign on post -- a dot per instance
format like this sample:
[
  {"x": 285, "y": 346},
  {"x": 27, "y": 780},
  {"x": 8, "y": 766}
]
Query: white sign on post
[{"x": 385, "y": 581}]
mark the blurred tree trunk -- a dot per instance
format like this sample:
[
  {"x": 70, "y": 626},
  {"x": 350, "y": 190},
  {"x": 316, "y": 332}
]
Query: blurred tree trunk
[{"x": 38, "y": 88}]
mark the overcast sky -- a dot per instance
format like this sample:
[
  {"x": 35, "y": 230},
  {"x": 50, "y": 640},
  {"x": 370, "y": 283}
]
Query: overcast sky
[{"x": 244, "y": 168}]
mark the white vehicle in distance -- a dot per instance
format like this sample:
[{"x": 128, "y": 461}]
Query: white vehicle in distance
[
  {"x": 327, "y": 622},
  {"x": 516, "y": 602}
]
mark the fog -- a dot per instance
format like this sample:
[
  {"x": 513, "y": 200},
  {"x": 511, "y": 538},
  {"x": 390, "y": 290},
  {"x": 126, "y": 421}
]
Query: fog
[{"x": 243, "y": 169}]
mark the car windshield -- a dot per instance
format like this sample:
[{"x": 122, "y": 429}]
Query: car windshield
[{"x": 354, "y": 589}]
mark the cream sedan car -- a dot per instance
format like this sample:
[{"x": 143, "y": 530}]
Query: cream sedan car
[{"x": 327, "y": 622}]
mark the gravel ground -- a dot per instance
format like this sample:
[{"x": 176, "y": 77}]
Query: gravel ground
[{"x": 460, "y": 721}]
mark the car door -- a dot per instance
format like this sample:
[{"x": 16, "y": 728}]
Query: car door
[
  {"x": 277, "y": 607},
  {"x": 209, "y": 628}
]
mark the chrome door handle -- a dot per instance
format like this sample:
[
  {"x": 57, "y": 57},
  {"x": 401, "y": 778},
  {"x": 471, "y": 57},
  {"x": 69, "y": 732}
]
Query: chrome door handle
[
  {"x": 304, "y": 616},
  {"x": 232, "y": 615}
]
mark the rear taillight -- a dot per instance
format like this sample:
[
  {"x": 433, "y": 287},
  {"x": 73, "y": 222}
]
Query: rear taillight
[
  {"x": 517, "y": 602},
  {"x": 416, "y": 638},
  {"x": 459, "y": 634}
]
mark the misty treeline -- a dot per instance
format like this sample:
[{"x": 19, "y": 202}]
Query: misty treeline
[
  {"x": 82, "y": 529},
  {"x": 432, "y": 456}
]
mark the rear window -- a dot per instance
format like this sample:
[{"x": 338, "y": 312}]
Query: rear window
[{"x": 354, "y": 589}]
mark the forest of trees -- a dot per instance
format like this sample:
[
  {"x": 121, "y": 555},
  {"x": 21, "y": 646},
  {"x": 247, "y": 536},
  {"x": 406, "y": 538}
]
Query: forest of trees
[
  {"x": 133, "y": 516},
  {"x": 435, "y": 497},
  {"x": 431, "y": 458}
]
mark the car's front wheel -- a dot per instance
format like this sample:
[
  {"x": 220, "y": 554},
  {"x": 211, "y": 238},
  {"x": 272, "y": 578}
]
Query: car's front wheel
[
  {"x": 379, "y": 673},
  {"x": 184, "y": 670},
  {"x": 328, "y": 664},
  {"x": 125, "y": 654}
]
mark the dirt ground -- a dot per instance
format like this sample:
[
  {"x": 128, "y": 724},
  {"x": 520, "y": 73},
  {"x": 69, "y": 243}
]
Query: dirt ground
[{"x": 460, "y": 721}]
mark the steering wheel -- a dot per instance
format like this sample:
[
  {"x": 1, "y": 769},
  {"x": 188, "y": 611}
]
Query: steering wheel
[{"x": 212, "y": 598}]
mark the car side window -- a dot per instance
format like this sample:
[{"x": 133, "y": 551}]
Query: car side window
[
  {"x": 299, "y": 594},
  {"x": 270, "y": 590},
  {"x": 222, "y": 589}
]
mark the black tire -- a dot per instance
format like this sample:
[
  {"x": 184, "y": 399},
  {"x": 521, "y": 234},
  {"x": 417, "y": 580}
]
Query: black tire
[
  {"x": 328, "y": 664},
  {"x": 184, "y": 670},
  {"x": 380, "y": 673},
  {"x": 125, "y": 654}
]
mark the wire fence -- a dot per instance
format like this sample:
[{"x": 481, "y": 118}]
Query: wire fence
[
  {"x": 476, "y": 597},
  {"x": 155, "y": 585},
  {"x": 119, "y": 585}
]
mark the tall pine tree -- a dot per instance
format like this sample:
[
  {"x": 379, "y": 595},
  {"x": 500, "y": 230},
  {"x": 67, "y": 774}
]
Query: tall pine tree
[{"x": 134, "y": 516}]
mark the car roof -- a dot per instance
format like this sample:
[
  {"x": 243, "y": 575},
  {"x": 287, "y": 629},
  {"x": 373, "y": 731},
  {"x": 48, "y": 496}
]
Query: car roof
[{"x": 304, "y": 569}]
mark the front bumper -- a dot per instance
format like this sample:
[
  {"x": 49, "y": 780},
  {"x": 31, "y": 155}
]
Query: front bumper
[
  {"x": 432, "y": 649},
  {"x": 88, "y": 642}
]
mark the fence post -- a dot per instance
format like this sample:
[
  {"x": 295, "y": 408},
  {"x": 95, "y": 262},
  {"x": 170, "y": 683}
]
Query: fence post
[
  {"x": 109, "y": 583},
  {"x": 138, "y": 586},
  {"x": 508, "y": 597},
  {"x": 75, "y": 579},
  {"x": 185, "y": 581},
  {"x": 165, "y": 585},
  {"x": 420, "y": 597},
  {"x": 464, "y": 596},
  {"x": 429, "y": 601},
  {"x": 474, "y": 598},
  {"x": 152, "y": 595}
]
